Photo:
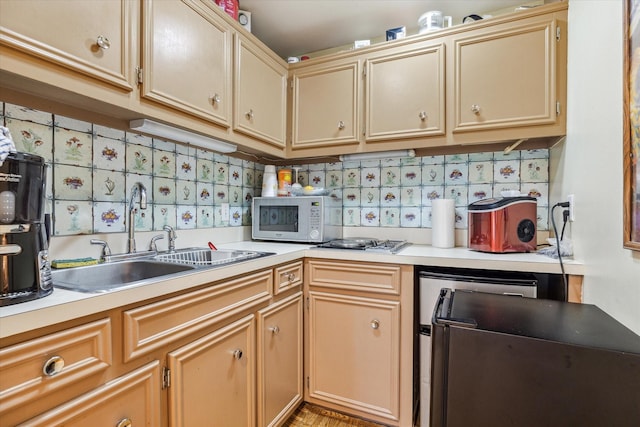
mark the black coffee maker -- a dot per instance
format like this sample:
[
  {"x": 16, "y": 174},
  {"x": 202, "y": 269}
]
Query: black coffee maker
[{"x": 25, "y": 271}]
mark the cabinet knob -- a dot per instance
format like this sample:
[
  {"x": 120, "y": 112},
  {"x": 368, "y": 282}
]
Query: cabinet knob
[
  {"x": 249, "y": 115},
  {"x": 375, "y": 324},
  {"x": 475, "y": 109},
  {"x": 125, "y": 422},
  {"x": 340, "y": 125},
  {"x": 422, "y": 115},
  {"x": 53, "y": 366},
  {"x": 103, "y": 42},
  {"x": 237, "y": 354},
  {"x": 275, "y": 330},
  {"x": 215, "y": 98},
  {"x": 290, "y": 277}
]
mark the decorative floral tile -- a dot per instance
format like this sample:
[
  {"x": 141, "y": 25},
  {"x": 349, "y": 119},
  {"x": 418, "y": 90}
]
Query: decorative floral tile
[
  {"x": 186, "y": 192},
  {"x": 481, "y": 157},
  {"x": 370, "y": 177},
  {"x": 204, "y": 170},
  {"x": 410, "y": 196},
  {"x": 186, "y": 167},
  {"x": 479, "y": 192},
  {"x": 72, "y": 183},
  {"x": 72, "y": 147},
  {"x": 433, "y": 174},
  {"x": 235, "y": 175},
  {"x": 235, "y": 216},
  {"x": 235, "y": 195},
  {"x": 164, "y": 191},
  {"x": 461, "y": 217},
  {"x": 248, "y": 193},
  {"x": 143, "y": 219},
  {"x": 72, "y": 124},
  {"x": 542, "y": 153},
  {"x": 204, "y": 154},
  {"x": 457, "y": 192},
  {"x": 480, "y": 172},
  {"x": 12, "y": 111},
  {"x": 249, "y": 177},
  {"x": 410, "y": 175},
  {"x": 139, "y": 159},
  {"x": 543, "y": 221},
  {"x": 164, "y": 215},
  {"x": 390, "y": 176},
  {"x": 506, "y": 171},
  {"x": 186, "y": 149},
  {"x": 351, "y": 216},
  {"x": 204, "y": 219},
  {"x": 136, "y": 138},
  {"x": 426, "y": 217},
  {"x": 369, "y": 197},
  {"x": 222, "y": 158},
  {"x": 109, "y": 217},
  {"x": 499, "y": 187},
  {"x": 231, "y": 160},
  {"x": 108, "y": 186},
  {"x": 221, "y": 194},
  {"x": 109, "y": 153},
  {"x": 534, "y": 170},
  {"x": 159, "y": 144},
  {"x": 456, "y": 173},
  {"x": 334, "y": 178},
  {"x": 410, "y": 161},
  {"x": 350, "y": 165},
  {"x": 246, "y": 216},
  {"x": 390, "y": 217},
  {"x": 387, "y": 163},
  {"x": 217, "y": 217},
  {"x": 317, "y": 179},
  {"x": 205, "y": 194},
  {"x": 351, "y": 177},
  {"x": 539, "y": 190},
  {"x": 221, "y": 173},
  {"x": 364, "y": 164},
  {"x": 410, "y": 217},
  {"x": 370, "y": 217},
  {"x": 110, "y": 133},
  {"x": 456, "y": 158},
  {"x": 500, "y": 156},
  {"x": 432, "y": 160},
  {"x": 72, "y": 217},
  {"x": 335, "y": 216},
  {"x": 186, "y": 217},
  {"x": 32, "y": 138},
  {"x": 389, "y": 196},
  {"x": 303, "y": 177},
  {"x": 351, "y": 197},
  {"x": 429, "y": 193},
  {"x": 164, "y": 163}
]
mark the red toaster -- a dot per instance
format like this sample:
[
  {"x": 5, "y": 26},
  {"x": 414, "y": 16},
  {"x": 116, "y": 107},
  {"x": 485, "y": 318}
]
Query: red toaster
[{"x": 501, "y": 225}]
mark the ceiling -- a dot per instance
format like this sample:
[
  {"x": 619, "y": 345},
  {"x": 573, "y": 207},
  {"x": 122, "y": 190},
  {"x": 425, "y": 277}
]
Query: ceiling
[{"x": 296, "y": 27}]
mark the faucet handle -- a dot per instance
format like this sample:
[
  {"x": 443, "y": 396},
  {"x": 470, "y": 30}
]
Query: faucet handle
[
  {"x": 105, "y": 255},
  {"x": 152, "y": 244},
  {"x": 171, "y": 233}
]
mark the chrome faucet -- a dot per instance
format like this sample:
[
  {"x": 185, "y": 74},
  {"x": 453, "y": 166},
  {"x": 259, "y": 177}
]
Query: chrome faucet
[
  {"x": 171, "y": 234},
  {"x": 139, "y": 191}
]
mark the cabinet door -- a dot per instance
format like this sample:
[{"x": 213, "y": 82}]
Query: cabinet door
[
  {"x": 92, "y": 38},
  {"x": 187, "y": 58},
  {"x": 131, "y": 400},
  {"x": 326, "y": 106},
  {"x": 260, "y": 94},
  {"x": 405, "y": 94},
  {"x": 354, "y": 350},
  {"x": 279, "y": 360},
  {"x": 505, "y": 77},
  {"x": 212, "y": 379}
]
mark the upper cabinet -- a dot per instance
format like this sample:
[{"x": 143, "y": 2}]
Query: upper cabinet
[
  {"x": 260, "y": 94},
  {"x": 92, "y": 39},
  {"x": 405, "y": 93},
  {"x": 326, "y": 105},
  {"x": 504, "y": 76},
  {"x": 186, "y": 51}
]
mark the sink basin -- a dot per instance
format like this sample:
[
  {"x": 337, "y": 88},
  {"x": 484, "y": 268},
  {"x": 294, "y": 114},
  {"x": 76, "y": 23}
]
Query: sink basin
[
  {"x": 207, "y": 257},
  {"x": 110, "y": 276}
]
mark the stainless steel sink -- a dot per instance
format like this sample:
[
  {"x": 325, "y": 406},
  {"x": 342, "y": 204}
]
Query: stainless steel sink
[
  {"x": 207, "y": 257},
  {"x": 117, "y": 275}
]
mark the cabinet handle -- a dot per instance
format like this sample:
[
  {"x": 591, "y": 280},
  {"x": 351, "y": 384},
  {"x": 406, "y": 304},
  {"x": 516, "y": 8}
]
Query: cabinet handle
[
  {"x": 422, "y": 115},
  {"x": 215, "y": 98},
  {"x": 275, "y": 330},
  {"x": 340, "y": 125},
  {"x": 53, "y": 366},
  {"x": 290, "y": 277},
  {"x": 103, "y": 42},
  {"x": 237, "y": 354},
  {"x": 375, "y": 324},
  {"x": 125, "y": 422},
  {"x": 475, "y": 109},
  {"x": 249, "y": 115}
]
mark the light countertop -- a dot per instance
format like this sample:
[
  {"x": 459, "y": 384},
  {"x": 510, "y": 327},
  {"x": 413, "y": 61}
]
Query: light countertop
[{"x": 63, "y": 305}]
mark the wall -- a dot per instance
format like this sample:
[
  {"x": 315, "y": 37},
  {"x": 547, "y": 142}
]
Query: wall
[{"x": 589, "y": 163}]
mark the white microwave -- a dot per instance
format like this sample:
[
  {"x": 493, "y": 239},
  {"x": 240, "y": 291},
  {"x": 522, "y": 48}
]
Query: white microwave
[{"x": 305, "y": 219}]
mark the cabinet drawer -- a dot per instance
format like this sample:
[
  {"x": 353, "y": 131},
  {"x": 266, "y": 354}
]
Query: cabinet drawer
[
  {"x": 34, "y": 369},
  {"x": 287, "y": 277},
  {"x": 355, "y": 276},
  {"x": 152, "y": 326},
  {"x": 131, "y": 400}
]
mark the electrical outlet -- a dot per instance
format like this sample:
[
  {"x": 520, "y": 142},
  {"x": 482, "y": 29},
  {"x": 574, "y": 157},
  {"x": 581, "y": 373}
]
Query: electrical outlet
[
  {"x": 224, "y": 210},
  {"x": 572, "y": 209}
]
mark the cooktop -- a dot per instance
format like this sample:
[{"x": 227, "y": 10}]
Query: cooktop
[{"x": 366, "y": 244}]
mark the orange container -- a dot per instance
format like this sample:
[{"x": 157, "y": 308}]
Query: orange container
[{"x": 284, "y": 179}]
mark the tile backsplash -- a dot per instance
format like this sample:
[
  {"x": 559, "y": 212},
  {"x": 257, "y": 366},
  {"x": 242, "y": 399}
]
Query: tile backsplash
[{"x": 93, "y": 168}]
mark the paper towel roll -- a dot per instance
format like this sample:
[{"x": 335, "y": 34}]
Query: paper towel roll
[{"x": 443, "y": 221}]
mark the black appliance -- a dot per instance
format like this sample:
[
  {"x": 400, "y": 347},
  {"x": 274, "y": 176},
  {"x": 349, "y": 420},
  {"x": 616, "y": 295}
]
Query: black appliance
[
  {"x": 25, "y": 271},
  {"x": 508, "y": 361}
]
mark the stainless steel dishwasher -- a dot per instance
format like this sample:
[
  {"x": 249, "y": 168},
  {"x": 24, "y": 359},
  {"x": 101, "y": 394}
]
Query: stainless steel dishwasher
[{"x": 429, "y": 281}]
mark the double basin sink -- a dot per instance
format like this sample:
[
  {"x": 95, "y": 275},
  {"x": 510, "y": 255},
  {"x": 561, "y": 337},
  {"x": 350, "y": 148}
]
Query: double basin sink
[{"x": 143, "y": 269}]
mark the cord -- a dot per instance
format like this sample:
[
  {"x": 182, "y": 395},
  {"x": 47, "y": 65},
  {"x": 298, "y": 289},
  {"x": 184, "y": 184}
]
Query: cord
[
  {"x": 555, "y": 231},
  {"x": 565, "y": 218}
]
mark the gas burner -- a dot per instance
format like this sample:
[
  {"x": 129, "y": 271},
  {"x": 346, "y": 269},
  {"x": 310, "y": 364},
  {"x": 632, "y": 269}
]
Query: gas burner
[{"x": 366, "y": 244}]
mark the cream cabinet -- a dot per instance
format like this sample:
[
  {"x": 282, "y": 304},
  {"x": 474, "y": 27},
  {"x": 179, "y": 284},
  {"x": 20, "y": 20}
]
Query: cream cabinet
[
  {"x": 212, "y": 378},
  {"x": 186, "y": 58},
  {"x": 260, "y": 93},
  {"x": 506, "y": 75},
  {"x": 84, "y": 38},
  {"x": 358, "y": 340},
  {"x": 326, "y": 105},
  {"x": 279, "y": 371},
  {"x": 405, "y": 93}
]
